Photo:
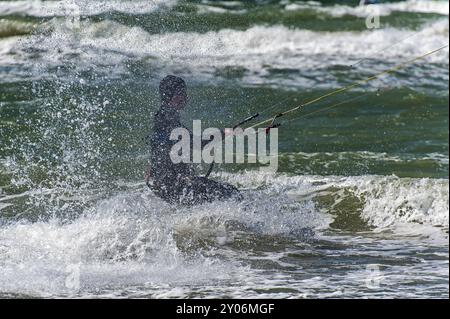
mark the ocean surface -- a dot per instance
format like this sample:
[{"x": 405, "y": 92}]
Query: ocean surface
[{"x": 359, "y": 207}]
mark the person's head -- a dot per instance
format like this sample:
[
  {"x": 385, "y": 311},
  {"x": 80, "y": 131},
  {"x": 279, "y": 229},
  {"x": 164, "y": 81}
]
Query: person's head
[{"x": 172, "y": 90}]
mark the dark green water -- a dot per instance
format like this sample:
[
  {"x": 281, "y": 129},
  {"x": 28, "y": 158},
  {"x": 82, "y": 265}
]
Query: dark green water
[{"x": 358, "y": 207}]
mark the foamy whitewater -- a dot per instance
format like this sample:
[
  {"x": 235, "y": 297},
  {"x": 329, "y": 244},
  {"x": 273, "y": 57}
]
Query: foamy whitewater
[{"x": 359, "y": 207}]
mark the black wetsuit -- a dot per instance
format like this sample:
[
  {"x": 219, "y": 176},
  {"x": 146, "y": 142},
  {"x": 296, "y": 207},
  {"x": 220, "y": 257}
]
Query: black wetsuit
[{"x": 177, "y": 183}]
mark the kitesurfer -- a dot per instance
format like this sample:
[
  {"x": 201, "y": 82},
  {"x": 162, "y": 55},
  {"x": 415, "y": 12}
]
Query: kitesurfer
[{"x": 177, "y": 183}]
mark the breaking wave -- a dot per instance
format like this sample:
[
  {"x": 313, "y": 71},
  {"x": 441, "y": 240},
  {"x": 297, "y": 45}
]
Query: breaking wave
[
  {"x": 256, "y": 55},
  {"x": 134, "y": 240},
  {"x": 382, "y": 9}
]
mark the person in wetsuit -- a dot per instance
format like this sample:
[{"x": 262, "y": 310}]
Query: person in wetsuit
[{"x": 177, "y": 183}]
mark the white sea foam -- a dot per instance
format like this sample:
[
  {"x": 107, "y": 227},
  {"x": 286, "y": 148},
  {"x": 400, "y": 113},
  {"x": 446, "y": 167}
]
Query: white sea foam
[
  {"x": 134, "y": 239},
  {"x": 337, "y": 10},
  {"x": 339, "y": 157},
  {"x": 279, "y": 46},
  {"x": 382, "y": 9},
  {"x": 388, "y": 201},
  {"x": 132, "y": 244},
  {"x": 7, "y": 50},
  {"x": 258, "y": 50},
  {"x": 117, "y": 243},
  {"x": 40, "y": 8}
]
